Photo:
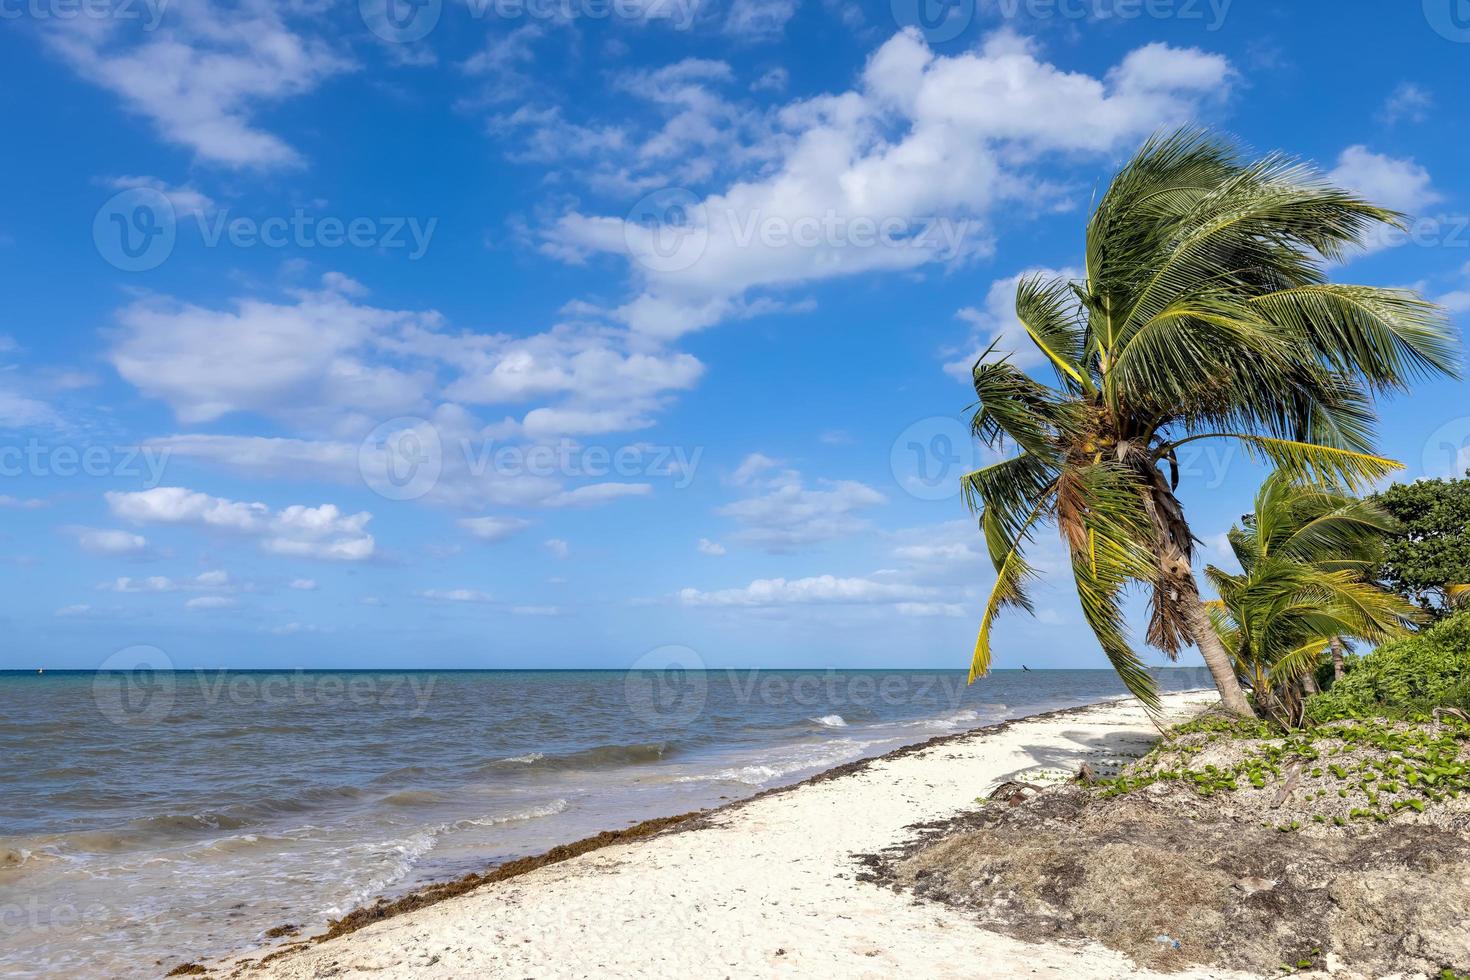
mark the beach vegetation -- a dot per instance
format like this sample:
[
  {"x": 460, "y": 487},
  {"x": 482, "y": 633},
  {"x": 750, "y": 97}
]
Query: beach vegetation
[
  {"x": 1306, "y": 554},
  {"x": 1204, "y": 312},
  {"x": 1411, "y": 677},
  {"x": 1427, "y": 560}
]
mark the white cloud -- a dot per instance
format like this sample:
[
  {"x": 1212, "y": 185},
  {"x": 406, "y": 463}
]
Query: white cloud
[
  {"x": 76, "y": 610},
  {"x": 217, "y": 580},
  {"x": 20, "y": 411},
  {"x": 493, "y": 528},
  {"x": 208, "y": 602},
  {"x": 107, "y": 541},
  {"x": 304, "y": 584},
  {"x": 598, "y": 493},
  {"x": 291, "y": 629},
  {"x": 996, "y": 323},
  {"x": 759, "y": 20},
  {"x": 186, "y": 200},
  {"x": 784, "y": 514},
  {"x": 456, "y": 595},
  {"x": 308, "y": 362},
  {"x": 1408, "y": 101},
  {"x": 773, "y": 80},
  {"x": 203, "y": 73},
  {"x": 712, "y": 548},
  {"x": 558, "y": 548},
  {"x": 333, "y": 368},
  {"x": 322, "y": 532},
  {"x": 21, "y": 503},
  {"x": 1392, "y": 182},
  {"x": 821, "y": 589},
  {"x": 537, "y": 611},
  {"x": 922, "y": 137}
]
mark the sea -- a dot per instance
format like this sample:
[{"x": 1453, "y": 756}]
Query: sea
[{"x": 151, "y": 818}]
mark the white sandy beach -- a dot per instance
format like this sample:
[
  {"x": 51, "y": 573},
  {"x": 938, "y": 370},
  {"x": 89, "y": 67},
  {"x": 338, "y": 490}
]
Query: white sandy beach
[{"x": 767, "y": 888}]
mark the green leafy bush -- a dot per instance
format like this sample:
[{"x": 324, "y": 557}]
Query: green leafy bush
[{"x": 1409, "y": 676}]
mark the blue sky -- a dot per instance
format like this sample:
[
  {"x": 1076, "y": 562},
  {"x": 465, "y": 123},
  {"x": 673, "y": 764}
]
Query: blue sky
[{"x": 482, "y": 334}]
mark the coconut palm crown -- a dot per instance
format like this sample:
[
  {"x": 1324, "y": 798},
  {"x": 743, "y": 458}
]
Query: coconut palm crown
[
  {"x": 1306, "y": 553},
  {"x": 1204, "y": 312}
]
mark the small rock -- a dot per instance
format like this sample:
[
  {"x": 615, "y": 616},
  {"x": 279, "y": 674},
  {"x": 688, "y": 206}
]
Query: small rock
[{"x": 1251, "y": 885}]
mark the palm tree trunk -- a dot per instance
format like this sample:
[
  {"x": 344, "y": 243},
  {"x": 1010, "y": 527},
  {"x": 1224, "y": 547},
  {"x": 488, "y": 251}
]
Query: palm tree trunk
[
  {"x": 1217, "y": 658},
  {"x": 1337, "y": 667}
]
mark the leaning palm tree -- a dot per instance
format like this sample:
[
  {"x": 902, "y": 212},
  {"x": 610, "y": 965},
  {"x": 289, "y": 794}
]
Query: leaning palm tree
[
  {"x": 1204, "y": 312},
  {"x": 1305, "y": 554}
]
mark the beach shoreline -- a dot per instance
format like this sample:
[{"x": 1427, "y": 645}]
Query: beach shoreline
[{"x": 898, "y": 790}]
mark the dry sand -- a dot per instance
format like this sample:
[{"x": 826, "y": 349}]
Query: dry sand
[{"x": 768, "y": 887}]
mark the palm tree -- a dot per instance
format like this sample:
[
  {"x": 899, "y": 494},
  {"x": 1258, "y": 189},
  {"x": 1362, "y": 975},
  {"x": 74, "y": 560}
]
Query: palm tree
[
  {"x": 1305, "y": 554},
  {"x": 1204, "y": 312}
]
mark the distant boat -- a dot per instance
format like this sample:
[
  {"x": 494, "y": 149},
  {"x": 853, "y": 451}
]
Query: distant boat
[{"x": 40, "y": 670}]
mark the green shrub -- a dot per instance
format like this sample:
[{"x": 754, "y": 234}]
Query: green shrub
[{"x": 1406, "y": 677}]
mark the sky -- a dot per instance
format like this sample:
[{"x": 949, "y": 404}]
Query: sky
[{"x": 568, "y": 333}]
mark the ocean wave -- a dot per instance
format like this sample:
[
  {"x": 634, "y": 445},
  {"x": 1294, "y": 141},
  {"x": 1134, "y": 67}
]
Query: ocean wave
[
  {"x": 535, "y": 813},
  {"x": 414, "y": 797},
  {"x": 596, "y": 757},
  {"x": 400, "y": 855},
  {"x": 810, "y": 758},
  {"x": 830, "y": 721}
]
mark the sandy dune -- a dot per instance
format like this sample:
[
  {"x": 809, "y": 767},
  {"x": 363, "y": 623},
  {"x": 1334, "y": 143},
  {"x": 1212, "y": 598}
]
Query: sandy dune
[{"x": 768, "y": 888}]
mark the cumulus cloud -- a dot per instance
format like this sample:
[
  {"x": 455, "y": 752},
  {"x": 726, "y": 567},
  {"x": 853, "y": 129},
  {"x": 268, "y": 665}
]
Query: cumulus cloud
[
  {"x": 1408, "y": 102},
  {"x": 456, "y": 595},
  {"x": 202, "y": 73},
  {"x": 309, "y": 361},
  {"x": 1393, "y": 182},
  {"x": 210, "y": 602},
  {"x": 21, "y": 503},
  {"x": 322, "y": 532},
  {"x": 109, "y": 541},
  {"x": 333, "y": 367},
  {"x": 783, "y": 514},
  {"x": 922, "y": 149},
  {"x": 185, "y": 199},
  {"x": 712, "y": 548},
  {"x": 820, "y": 589},
  {"x": 213, "y": 581},
  {"x": 996, "y": 323},
  {"x": 494, "y": 529}
]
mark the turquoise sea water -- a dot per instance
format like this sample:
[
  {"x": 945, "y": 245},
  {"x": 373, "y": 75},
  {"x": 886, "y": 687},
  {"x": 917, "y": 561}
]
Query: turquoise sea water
[{"x": 160, "y": 817}]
